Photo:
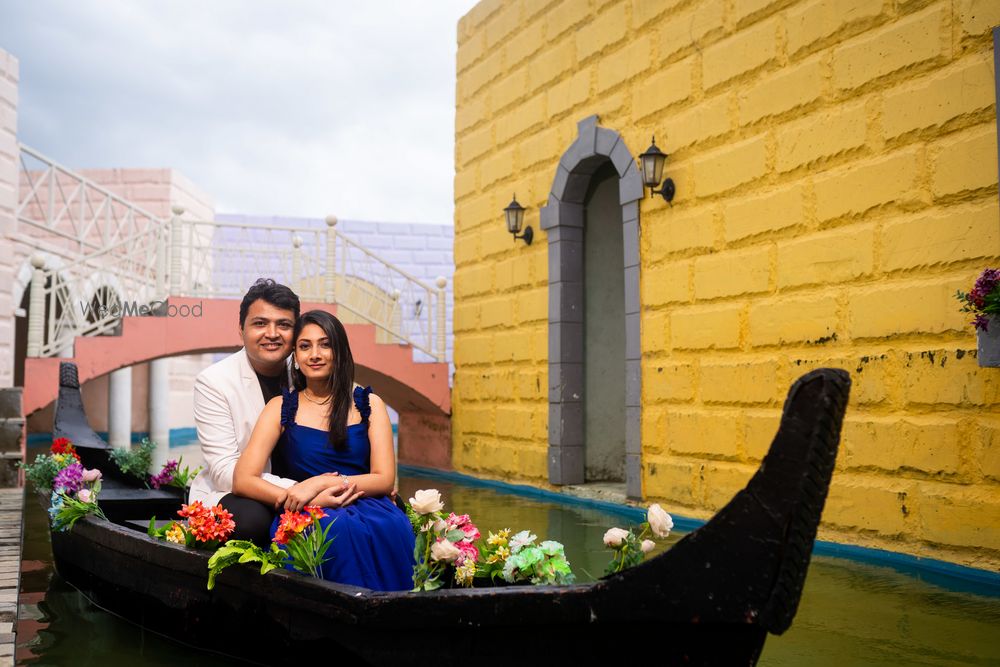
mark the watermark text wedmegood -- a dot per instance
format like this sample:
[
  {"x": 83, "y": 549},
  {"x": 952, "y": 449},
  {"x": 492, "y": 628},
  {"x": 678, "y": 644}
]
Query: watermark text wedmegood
[{"x": 138, "y": 309}]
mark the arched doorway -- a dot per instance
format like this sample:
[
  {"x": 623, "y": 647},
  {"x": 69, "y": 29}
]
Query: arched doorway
[{"x": 596, "y": 174}]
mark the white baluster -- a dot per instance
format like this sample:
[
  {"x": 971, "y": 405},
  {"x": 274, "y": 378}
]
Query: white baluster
[
  {"x": 161, "y": 263},
  {"x": 176, "y": 239},
  {"x": 296, "y": 262},
  {"x": 36, "y": 306},
  {"x": 330, "y": 279},
  {"x": 442, "y": 316}
]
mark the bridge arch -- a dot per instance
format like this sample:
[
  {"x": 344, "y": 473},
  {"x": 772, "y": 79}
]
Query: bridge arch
[{"x": 419, "y": 392}]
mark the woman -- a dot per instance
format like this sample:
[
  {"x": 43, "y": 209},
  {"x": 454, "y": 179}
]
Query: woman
[{"x": 337, "y": 441}]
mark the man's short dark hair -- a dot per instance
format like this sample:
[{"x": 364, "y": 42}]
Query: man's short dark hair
[{"x": 276, "y": 294}]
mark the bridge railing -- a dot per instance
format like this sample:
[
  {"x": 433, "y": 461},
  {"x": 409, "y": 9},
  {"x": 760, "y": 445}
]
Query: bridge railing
[
  {"x": 70, "y": 214},
  {"x": 104, "y": 248},
  {"x": 113, "y": 258},
  {"x": 219, "y": 259}
]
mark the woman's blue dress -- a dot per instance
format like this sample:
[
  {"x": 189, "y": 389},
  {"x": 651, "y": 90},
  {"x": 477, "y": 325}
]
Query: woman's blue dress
[{"x": 373, "y": 545}]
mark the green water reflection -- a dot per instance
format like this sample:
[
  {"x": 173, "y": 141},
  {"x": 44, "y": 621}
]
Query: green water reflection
[{"x": 851, "y": 613}]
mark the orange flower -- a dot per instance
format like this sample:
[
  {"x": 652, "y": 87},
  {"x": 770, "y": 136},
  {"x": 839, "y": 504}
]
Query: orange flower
[
  {"x": 208, "y": 524},
  {"x": 315, "y": 511},
  {"x": 292, "y": 523},
  {"x": 194, "y": 509}
]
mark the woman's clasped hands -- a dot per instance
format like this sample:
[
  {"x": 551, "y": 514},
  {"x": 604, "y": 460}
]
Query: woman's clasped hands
[{"x": 327, "y": 490}]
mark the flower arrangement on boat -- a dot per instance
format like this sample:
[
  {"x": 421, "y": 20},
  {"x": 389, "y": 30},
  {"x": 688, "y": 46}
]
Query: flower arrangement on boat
[
  {"x": 299, "y": 543},
  {"x": 74, "y": 496},
  {"x": 629, "y": 546},
  {"x": 72, "y": 489},
  {"x": 518, "y": 559},
  {"x": 172, "y": 474},
  {"x": 42, "y": 472},
  {"x": 446, "y": 550},
  {"x": 205, "y": 528}
]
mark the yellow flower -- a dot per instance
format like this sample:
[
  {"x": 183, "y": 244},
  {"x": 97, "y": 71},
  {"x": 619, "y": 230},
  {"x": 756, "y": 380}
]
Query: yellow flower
[
  {"x": 465, "y": 573},
  {"x": 498, "y": 538},
  {"x": 175, "y": 534},
  {"x": 492, "y": 558},
  {"x": 503, "y": 552}
]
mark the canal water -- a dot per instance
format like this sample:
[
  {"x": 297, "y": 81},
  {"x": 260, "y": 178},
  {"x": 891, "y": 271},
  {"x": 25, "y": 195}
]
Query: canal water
[{"x": 850, "y": 614}]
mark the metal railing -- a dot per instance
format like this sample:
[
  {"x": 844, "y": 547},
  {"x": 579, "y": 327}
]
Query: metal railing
[
  {"x": 220, "y": 259},
  {"x": 124, "y": 259}
]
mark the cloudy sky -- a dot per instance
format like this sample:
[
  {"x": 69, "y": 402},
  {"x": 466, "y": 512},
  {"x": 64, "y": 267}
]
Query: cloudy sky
[{"x": 292, "y": 108}]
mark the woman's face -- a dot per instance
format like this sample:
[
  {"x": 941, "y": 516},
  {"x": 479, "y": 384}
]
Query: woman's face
[{"x": 313, "y": 352}]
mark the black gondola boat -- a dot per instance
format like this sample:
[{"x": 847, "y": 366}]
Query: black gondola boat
[{"x": 711, "y": 599}]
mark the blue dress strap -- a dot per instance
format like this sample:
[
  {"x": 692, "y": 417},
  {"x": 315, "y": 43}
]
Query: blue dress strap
[
  {"x": 289, "y": 406},
  {"x": 362, "y": 402}
]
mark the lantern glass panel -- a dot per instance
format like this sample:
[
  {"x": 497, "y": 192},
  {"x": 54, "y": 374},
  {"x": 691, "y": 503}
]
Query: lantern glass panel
[
  {"x": 652, "y": 167},
  {"x": 514, "y": 219}
]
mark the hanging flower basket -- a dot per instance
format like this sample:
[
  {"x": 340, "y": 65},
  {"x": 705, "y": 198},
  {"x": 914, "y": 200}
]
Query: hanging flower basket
[
  {"x": 988, "y": 343},
  {"x": 984, "y": 302}
]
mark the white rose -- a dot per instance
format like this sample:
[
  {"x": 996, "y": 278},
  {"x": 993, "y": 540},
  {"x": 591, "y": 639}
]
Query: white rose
[
  {"x": 440, "y": 525},
  {"x": 659, "y": 521},
  {"x": 426, "y": 501},
  {"x": 614, "y": 537},
  {"x": 445, "y": 550},
  {"x": 647, "y": 546}
]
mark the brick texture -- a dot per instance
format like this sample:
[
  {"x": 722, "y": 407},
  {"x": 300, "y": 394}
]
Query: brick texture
[{"x": 836, "y": 172}]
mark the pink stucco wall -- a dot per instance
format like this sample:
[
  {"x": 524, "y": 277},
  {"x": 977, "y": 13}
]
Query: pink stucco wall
[{"x": 8, "y": 204}]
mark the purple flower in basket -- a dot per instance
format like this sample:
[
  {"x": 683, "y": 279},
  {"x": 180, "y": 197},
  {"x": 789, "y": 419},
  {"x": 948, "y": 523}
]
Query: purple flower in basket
[
  {"x": 983, "y": 300},
  {"x": 69, "y": 478},
  {"x": 165, "y": 476}
]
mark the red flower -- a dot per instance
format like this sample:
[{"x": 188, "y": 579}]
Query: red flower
[{"x": 64, "y": 446}]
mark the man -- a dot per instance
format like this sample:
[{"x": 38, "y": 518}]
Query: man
[{"x": 229, "y": 397}]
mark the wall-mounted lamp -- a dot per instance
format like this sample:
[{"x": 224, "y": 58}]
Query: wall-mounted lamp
[
  {"x": 514, "y": 214},
  {"x": 652, "y": 172}
]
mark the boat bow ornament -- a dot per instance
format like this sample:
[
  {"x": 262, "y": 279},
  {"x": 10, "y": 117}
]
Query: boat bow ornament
[{"x": 117, "y": 259}]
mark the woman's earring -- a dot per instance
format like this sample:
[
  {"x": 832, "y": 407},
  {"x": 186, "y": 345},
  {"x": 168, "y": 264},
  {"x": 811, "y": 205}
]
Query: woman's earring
[{"x": 296, "y": 364}]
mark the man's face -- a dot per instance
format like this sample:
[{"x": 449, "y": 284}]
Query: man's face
[{"x": 267, "y": 336}]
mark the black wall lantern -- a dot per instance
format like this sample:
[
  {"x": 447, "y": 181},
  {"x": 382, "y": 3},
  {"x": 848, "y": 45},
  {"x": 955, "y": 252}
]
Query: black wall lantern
[
  {"x": 514, "y": 214},
  {"x": 652, "y": 172}
]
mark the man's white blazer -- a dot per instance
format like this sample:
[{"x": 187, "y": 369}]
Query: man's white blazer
[{"x": 227, "y": 402}]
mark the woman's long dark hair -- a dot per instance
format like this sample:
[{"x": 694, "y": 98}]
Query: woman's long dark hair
[{"x": 341, "y": 381}]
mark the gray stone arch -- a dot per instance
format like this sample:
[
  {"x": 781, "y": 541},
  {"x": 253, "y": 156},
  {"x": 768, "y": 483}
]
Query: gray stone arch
[{"x": 563, "y": 220}]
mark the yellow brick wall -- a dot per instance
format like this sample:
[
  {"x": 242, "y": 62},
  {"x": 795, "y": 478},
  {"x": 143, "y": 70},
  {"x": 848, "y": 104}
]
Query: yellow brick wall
[{"x": 836, "y": 174}]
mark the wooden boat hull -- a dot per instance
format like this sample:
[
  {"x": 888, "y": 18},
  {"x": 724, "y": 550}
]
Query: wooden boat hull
[
  {"x": 711, "y": 599},
  {"x": 283, "y": 616}
]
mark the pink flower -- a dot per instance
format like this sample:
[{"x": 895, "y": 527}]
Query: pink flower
[
  {"x": 84, "y": 496},
  {"x": 464, "y": 523},
  {"x": 91, "y": 475},
  {"x": 468, "y": 552}
]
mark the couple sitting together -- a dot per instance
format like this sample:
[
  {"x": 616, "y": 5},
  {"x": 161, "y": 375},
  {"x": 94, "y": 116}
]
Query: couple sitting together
[{"x": 278, "y": 436}]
